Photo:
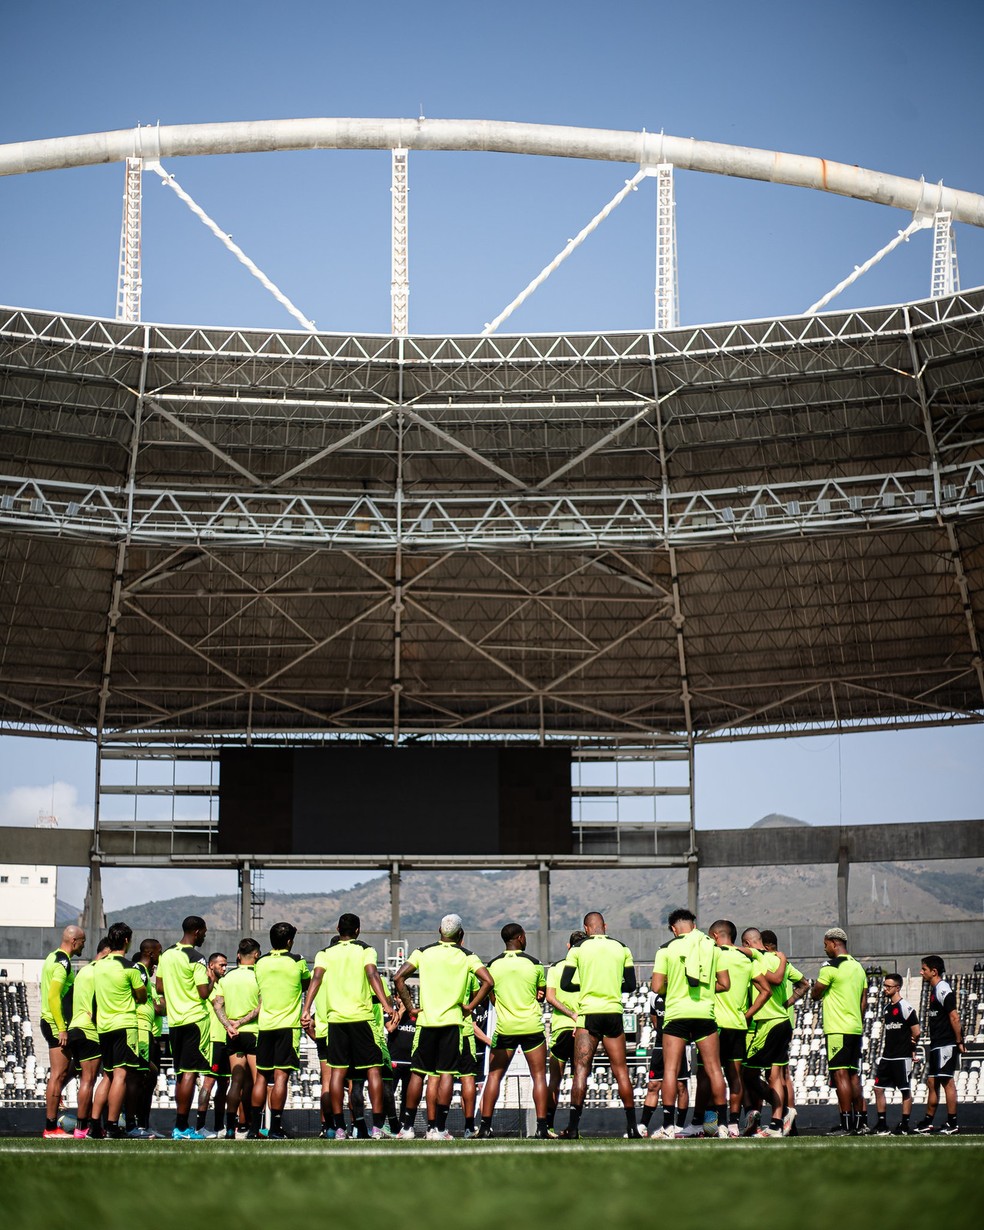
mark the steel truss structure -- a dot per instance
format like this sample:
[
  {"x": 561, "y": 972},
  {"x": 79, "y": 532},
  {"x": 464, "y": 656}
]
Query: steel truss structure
[{"x": 644, "y": 538}]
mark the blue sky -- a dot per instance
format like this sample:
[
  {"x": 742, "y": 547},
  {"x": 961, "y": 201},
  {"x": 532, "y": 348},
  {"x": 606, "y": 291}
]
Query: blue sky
[{"x": 853, "y": 83}]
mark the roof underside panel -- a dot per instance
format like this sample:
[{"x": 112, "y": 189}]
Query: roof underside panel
[{"x": 760, "y": 525}]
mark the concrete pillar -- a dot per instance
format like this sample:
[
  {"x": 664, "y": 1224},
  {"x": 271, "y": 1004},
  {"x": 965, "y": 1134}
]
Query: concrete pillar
[
  {"x": 395, "y": 923},
  {"x": 544, "y": 953},
  {"x": 843, "y": 877},
  {"x": 245, "y": 899},
  {"x": 93, "y": 915},
  {"x": 693, "y": 885}
]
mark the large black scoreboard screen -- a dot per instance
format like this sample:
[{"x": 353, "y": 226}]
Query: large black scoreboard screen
[{"x": 395, "y": 801}]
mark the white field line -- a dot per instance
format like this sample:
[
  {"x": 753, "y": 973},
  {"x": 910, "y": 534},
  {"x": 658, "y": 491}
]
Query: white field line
[{"x": 311, "y": 1148}]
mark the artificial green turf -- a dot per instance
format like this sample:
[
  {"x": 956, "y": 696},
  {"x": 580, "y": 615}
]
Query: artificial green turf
[{"x": 808, "y": 1184}]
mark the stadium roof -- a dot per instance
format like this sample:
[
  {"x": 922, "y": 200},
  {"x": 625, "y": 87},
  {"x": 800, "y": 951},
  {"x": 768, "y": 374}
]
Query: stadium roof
[{"x": 735, "y": 528}]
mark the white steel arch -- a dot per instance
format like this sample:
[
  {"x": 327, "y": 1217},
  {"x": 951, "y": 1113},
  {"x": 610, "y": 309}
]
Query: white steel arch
[{"x": 494, "y": 136}]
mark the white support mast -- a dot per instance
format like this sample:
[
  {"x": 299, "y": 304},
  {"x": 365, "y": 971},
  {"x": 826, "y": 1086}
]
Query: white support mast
[
  {"x": 129, "y": 284},
  {"x": 946, "y": 276},
  {"x": 400, "y": 283},
  {"x": 667, "y": 288}
]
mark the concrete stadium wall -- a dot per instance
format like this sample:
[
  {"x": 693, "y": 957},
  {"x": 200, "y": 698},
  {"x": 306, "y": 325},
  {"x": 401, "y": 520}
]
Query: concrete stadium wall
[{"x": 756, "y": 847}]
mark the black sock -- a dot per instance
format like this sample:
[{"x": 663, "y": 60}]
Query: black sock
[
  {"x": 486, "y": 1121},
  {"x": 50, "y": 1125},
  {"x": 378, "y": 1119},
  {"x": 469, "y": 1123},
  {"x": 550, "y": 1117},
  {"x": 681, "y": 1116},
  {"x": 200, "y": 1117},
  {"x": 339, "y": 1122},
  {"x": 724, "y": 1114},
  {"x": 573, "y": 1123},
  {"x": 394, "y": 1123},
  {"x": 646, "y": 1114},
  {"x": 230, "y": 1121},
  {"x": 181, "y": 1122},
  {"x": 668, "y": 1114},
  {"x": 276, "y": 1120},
  {"x": 951, "y": 1119},
  {"x": 630, "y": 1119},
  {"x": 218, "y": 1119},
  {"x": 407, "y": 1117},
  {"x": 904, "y": 1121},
  {"x": 255, "y": 1118},
  {"x": 442, "y": 1117},
  {"x": 846, "y": 1120},
  {"x": 882, "y": 1120}
]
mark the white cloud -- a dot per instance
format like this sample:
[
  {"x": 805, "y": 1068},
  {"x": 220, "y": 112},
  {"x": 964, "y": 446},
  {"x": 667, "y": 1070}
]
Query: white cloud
[{"x": 23, "y": 804}]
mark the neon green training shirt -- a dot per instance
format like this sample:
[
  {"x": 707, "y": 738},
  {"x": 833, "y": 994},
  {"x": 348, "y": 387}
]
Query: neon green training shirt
[
  {"x": 570, "y": 999},
  {"x": 57, "y": 977},
  {"x": 782, "y": 992},
  {"x": 216, "y": 1030},
  {"x": 518, "y": 980},
  {"x": 83, "y": 997},
  {"x": 730, "y": 1005},
  {"x": 772, "y": 1009},
  {"x": 347, "y": 995},
  {"x": 182, "y": 970},
  {"x": 114, "y": 980},
  {"x": 467, "y": 1023},
  {"x": 238, "y": 989},
  {"x": 684, "y": 1001},
  {"x": 842, "y": 1003},
  {"x": 599, "y": 964},
  {"x": 281, "y": 977},
  {"x": 147, "y": 1019},
  {"x": 443, "y": 969},
  {"x": 320, "y": 1005}
]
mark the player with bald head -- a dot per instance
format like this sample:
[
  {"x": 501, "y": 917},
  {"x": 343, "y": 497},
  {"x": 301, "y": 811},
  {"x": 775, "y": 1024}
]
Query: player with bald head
[
  {"x": 57, "y": 976},
  {"x": 599, "y": 969}
]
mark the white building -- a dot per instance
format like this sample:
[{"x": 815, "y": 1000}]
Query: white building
[{"x": 27, "y": 895}]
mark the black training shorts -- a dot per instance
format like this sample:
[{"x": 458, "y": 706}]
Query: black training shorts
[
  {"x": 190, "y": 1048},
  {"x": 352, "y": 1044},
  {"x": 436, "y": 1049},
  {"x": 943, "y": 1062},
  {"x": 277, "y": 1049},
  {"x": 220, "y": 1059},
  {"x": 118, "y": 1048},
  {"x": 242, "y": 1044},
  {"x": 604, "y": 1024},
  {"x": 843, "y": 1052},
  {"x": 49, "y": 1035},
  {"x": 562, "y": 1045},
  {"x": 768, "y": 1046},
  {"x": 691, "y": 1029},
  {"x": 82, "y": 1048},
  {"x": 894, "y": 1074},
  {"x": 512, "y": 1042},
  {"x": 468, "y": 1060}
]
